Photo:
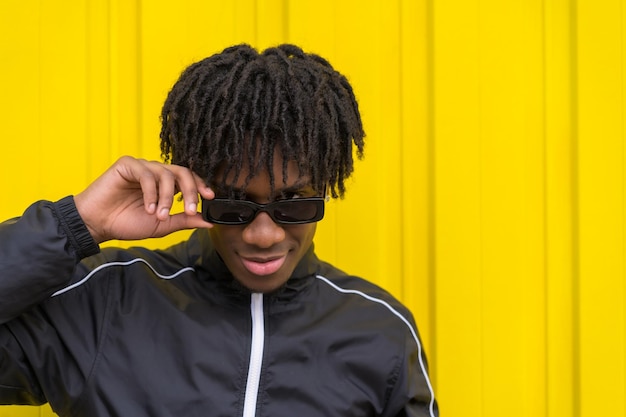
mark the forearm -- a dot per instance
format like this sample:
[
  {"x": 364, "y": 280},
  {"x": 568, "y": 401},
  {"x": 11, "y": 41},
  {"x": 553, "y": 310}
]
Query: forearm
[{"x": 38, "y": 253}]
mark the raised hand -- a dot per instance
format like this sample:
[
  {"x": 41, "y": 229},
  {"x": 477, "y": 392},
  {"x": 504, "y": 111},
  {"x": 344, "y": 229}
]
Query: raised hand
[{"x": 133, "y": 199}]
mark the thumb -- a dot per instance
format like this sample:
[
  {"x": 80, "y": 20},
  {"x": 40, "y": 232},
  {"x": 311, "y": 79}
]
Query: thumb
[{"x": 182, "y": 221}]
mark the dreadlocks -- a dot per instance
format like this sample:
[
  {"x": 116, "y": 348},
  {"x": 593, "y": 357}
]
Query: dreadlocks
[{"x": 241, "y": 102}]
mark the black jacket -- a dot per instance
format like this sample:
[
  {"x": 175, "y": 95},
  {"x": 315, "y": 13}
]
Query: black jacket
[{"x": 138, "y": 332}]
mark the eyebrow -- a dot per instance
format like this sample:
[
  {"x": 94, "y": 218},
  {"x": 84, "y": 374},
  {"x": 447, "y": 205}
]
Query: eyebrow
[{"x": 299, "y": 185}]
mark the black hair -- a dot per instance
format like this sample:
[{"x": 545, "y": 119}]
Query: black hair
[{"x": 241, "y": 102}]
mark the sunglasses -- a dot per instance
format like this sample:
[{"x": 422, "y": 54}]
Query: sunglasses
[{"x": 239, "y": 212}]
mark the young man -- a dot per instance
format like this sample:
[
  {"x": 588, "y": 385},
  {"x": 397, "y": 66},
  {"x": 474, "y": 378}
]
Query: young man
[{"x": 242, "y": 319}]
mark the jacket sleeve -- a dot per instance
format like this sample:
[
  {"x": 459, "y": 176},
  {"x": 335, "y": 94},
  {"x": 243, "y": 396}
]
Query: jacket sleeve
[
  {"x": 413, "y": 395},
  {"x": 38, "y": 253}
]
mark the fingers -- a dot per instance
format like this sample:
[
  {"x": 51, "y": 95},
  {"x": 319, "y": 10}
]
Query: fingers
[
  {"x": 160, "y": 183},
  {"x": 176, "y": 179},
  {"x": 190, "y": 185},
  {"x": 148, "y": 183},
  {"x": 133, "y": 199}
]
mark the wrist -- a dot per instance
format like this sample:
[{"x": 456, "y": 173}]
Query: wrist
[
  {"x": 77, "y": 232},
  {"x": 83, "y": 212}
]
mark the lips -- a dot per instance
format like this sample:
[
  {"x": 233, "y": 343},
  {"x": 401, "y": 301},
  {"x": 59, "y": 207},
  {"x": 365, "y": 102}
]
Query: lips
[{"x": 263, "y": 266}]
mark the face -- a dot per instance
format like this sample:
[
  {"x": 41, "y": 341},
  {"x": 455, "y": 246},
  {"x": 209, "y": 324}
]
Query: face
[{"x": 262, "y": 254}]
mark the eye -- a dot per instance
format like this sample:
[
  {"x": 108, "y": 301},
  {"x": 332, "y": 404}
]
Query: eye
[
  {"x": 291, "y": 194},
  {"x": 297, "y": 193}
]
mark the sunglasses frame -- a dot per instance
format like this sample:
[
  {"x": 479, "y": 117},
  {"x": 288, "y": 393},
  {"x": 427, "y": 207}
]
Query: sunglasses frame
[{"x": 267, "y": 208}]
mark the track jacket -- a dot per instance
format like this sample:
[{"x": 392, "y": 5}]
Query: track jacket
[{"x": 142, "y": 333}]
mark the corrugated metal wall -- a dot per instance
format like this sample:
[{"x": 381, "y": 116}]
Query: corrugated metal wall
[{"x": 491, "y": 199}]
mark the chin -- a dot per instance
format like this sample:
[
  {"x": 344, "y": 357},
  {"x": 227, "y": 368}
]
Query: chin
[{"x": 263, "y": 287}]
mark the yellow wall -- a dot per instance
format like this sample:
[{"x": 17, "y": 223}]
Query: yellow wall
[{"x": 491, "y": 199}]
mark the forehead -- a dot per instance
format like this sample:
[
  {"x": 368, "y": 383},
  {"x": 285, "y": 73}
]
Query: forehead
[{"x": 258, "y": 179}]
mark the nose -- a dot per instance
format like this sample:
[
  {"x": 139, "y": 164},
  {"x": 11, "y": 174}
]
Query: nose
[{"x": 263, "y": 232}]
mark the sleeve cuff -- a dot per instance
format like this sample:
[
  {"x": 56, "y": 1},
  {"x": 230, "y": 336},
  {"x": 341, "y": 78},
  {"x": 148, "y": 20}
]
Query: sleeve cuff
[{"x": 74, "y": 227}]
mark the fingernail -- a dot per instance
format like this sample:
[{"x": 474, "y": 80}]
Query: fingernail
[
  {"x": 165, "y": 211},
  {"x": 193, "y": 207}
]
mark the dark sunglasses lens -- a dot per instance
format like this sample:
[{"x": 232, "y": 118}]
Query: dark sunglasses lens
[
  {"x": 230, "y": 212},
  {"x": 294, "y": 211},
  {"x": 242, "y": 212}
]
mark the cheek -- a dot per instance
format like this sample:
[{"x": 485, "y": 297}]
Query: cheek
[
  {"x": 224, "y": 236},
  {"x": 303, "y": 233},
  {"x": 221, "y": 235}
]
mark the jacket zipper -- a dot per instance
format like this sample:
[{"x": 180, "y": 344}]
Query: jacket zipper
[{"x": 256, "y": 355}]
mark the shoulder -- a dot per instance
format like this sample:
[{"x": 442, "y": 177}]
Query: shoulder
[
  {"x": 344, "y": 283},
  {"x": 130, "y": 267},
  {"x": 368, "y": 300}
]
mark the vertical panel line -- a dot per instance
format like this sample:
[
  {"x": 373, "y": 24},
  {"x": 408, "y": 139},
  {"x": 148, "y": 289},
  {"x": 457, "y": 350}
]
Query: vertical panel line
[
  {"x": 255, "y": 13},
  {"x": 401, "y": 149},
  {"x": 87, "y": 92},
  {"x": 545, "y": 229},
  {"x": 40, "y": 92},
  {"x": 431, "y": 169},
  {"x": 623, "y": 106},
  {"x": 575, "y": 249},
  {"x": 113, "y": 39},
  {"x": 481, "y": 220},
  {"x": 139, "y": 70},
  {"x": 285, "y": 23}
]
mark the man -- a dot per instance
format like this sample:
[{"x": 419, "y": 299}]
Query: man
[{"x": 242, "y": 319}]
